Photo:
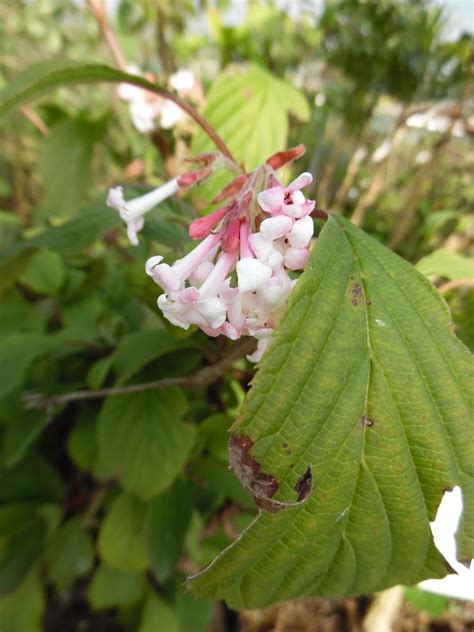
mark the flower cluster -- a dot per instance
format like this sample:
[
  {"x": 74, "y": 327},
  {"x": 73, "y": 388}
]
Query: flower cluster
[
  {"x": 237, "y": 280},
  {"x": 146, "y": 107}
]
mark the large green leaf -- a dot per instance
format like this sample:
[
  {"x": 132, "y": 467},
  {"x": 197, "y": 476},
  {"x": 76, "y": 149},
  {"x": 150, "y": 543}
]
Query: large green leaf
[
  {"x": 143, "y": 439},
  {"x": 366, "y": 384},
  {"x": 446, "y": 263},
  {"x": 249, "y": 108},
  {"x": 65, "y": 162},
  {"x": 44, "y": 77}
]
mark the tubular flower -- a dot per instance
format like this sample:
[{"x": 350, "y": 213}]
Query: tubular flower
[
  {"x": 236, "y": 281},
  {"x": 132, "y": 211}
]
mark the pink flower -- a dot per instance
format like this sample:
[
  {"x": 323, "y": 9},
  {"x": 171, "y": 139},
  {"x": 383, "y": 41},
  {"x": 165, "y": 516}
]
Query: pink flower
[
  {"x": 288, "y": 200},
  {"x": 236, "y": 281}
]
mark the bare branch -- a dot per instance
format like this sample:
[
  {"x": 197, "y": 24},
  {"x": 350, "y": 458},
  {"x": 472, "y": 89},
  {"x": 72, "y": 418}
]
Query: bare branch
[
  {"x": 455, "y": 283},
  {"x": 203, "y": 377}
]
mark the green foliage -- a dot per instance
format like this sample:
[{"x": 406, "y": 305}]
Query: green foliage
[
  {"x": 168, "y": 518},
  {"x": 111, "y": 588},
  {"x": 65, "y": 162},
  {"x": 250, "y": 108},
  {"x": 342, "y": 389},
  {"x": 143, "y": 439},
  {"x": 432, "y": 604},
  {"x": 23, "y": 608},
  {"x": 46, "y": 76},
  {"x": 70, "y": 553},
  {"x": 121, "y": 542},
  {"x": 44, "y": 272},
  {"x": 446, "y": 263},
  {"x": 104, "y": 500}
]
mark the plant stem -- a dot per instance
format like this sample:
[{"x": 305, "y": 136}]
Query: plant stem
[
  {"x": 97, "y": 9},
  {"x": 205, "y": 376}
]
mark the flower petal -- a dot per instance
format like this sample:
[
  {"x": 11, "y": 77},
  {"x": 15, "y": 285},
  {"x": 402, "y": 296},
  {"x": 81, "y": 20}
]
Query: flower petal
[
  {"x": 271, "y": 199},
  {"x": 252, "y": 274},
  {"x": 301, "y": 181},
  {"x": 301, "y": 232},
  {"x": 296, "y": 258},
  {"x": 276, "y": 227}
]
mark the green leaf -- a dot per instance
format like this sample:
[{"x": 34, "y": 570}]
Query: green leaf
[
  {"x": 32, "y": 478},
  {"x": 446, "y": 263},
  {"x": 69, "y": 238},
  {"x": 65, "y": 163},
  {"x": 22, "y": 428},
  {"x": 139, "y": 348},
  {"x": 143, "y": 440},
  {"x": 21, "y": 544},
  {"x": 98, "y": 372},
  {"x": 10, "y": 228},
  {"x": 112, "y": 588},
  {"x": 82, "y": 443},
  {"x": 249, "y": 108},
  {"x": 168, "y": 518},
  {"x": 121, "y": 540},
  {"x": 23, "y": 608},
  {"x": 366, "y": 384},
  {"x": 17, "y": 352},
  {"x": 432, "y": 604},
  {"x": 70, "y": 553},
  {"x": 192, "y": 613},
  {"x": 44, "y": 272},
  {"x": 158, "y": 615},
  {"x": 44, "y": 77}
]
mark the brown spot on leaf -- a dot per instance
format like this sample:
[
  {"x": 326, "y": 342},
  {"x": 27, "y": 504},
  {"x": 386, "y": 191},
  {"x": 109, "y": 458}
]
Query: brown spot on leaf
[
  {"x": 261, "y": 485},
  {"x": 366, "y": 422},
  {"x": 356, "y": 293},
  {"x": 304, "y": 485},
  {"x": 368, "y": 302}
]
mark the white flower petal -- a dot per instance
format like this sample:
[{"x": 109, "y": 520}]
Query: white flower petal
[
  {"x": 276, "y": 227},
  {"x": 252, "y": 274},
  {"x": 301, "y": 181},
  {"x": 271, "y": 199},
  {"x": 256, "y": 356},
  {"x": 151, "y": 264},
  {"x": 213, "y": 310},
  {"x": 296, "y": 258},
  {"x": 293, "y": 210},
  {"x": 301, "y": 232}
]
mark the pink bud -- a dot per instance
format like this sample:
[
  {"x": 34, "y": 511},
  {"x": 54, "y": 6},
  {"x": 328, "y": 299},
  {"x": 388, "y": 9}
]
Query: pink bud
[
  {"x": 191, "y": 177},
  {"x": 231, "y": 237},
  {"x": 202, "y": 226},
  {"x": 283, "y": 157}
]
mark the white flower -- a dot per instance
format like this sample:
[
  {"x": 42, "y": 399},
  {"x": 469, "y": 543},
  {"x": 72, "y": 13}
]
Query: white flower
[{"x": 132, "y": 211}]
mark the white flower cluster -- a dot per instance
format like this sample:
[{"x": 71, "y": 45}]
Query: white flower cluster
[
  {"x": 201, "y": 289},
  {"x": 147, "y": 108}
]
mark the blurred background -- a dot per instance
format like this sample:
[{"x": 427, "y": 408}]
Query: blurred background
[{"x": 99, "y": 523}]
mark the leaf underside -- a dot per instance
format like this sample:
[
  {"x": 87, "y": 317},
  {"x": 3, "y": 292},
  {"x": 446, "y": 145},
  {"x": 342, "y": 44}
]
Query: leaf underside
[{"x": 366, "y": 384}]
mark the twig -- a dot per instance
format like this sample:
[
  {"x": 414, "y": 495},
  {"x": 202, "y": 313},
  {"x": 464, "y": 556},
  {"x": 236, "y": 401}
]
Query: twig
[
  {"x": 98, "y": 11},
  {"x": 455, "y": 283},
  {"x": 97, "y": 8},
  {"x": 203, "y": 377},
  {"x": 35, "y": 119}
]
